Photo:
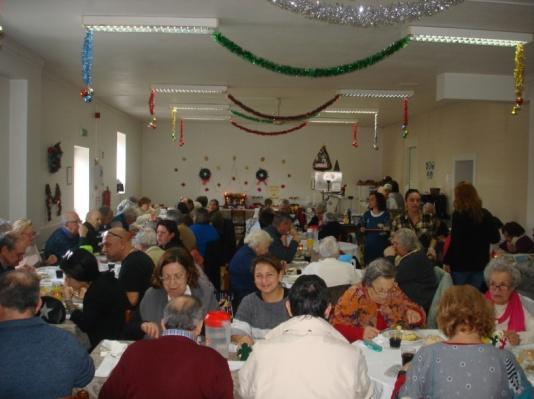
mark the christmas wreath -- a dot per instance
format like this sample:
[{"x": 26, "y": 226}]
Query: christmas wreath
[
  {"x": 262, "y": 176},
  {"x": 54, "y": 157},
  {"x": 55, "y": 200},
  {"x": 205, "y": 175}
]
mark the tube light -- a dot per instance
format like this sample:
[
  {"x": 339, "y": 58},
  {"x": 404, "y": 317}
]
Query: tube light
[
  {"x": 149, "y": 24},
  {"x": 376, "y": 93},
  {"x": 184, "y": 89},
  {"x": 200, "y": 107},
  {"x": 349, "y": 111},
  {"x": 468, "y": 36}
]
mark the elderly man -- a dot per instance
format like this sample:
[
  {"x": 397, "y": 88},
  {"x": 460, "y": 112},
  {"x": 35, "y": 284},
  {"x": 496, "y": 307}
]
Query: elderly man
[
  {"x": 65, "y": 237},
  {"x": 12, "y": 250},
  {"x": 216, "y": 217},
  {"x": 285, "y": 238},
  {"x": 37, "y": 360},
  {"x": 332, "y": 271},
  {"x": 136, "y": 266},
  {"x": 305, "y": 357},
  {"x": 415, "y": 272},
  {"x": 107, "y": 216},
  {"x": 317, "y": 219},
  {"x": 173, "y": 365},
  {"x": 89, "y": 231}
]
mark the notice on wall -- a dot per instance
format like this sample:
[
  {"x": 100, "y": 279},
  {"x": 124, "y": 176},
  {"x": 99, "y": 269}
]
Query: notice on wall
[{"x": 273, "y": 192}]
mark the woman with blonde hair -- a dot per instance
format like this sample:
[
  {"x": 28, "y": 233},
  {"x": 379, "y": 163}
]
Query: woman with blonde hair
[
  {"x": 23, "y": 228},
  {"x": 473, "y": 230}
]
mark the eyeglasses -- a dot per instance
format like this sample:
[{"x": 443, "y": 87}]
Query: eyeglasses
[
  {"x": 382, "y": 292},
  {"x": 500, "y": 286},
  {"x": 114, "y": 234},
  {"x": 173, "y": 277}
]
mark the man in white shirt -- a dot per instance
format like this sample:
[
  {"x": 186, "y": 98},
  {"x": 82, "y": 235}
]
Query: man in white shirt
[
  {"x": 334, "y": 272},
  {"x": 305, "y": 357}
]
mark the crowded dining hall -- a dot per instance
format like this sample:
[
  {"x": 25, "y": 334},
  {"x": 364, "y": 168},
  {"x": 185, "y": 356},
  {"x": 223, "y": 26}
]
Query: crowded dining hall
[{"x": 266, "y": 199}]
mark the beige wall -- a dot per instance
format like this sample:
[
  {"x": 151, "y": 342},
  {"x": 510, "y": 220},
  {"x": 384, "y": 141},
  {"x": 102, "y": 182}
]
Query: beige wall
[{"x": 487, "y": 130}]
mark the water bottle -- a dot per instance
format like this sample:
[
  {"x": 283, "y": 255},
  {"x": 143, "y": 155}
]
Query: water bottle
[{"x": 217, "y": 325}]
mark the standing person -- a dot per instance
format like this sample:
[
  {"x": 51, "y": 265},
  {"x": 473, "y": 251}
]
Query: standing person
[
  {"x": 375, "y": 226},
  {"x": 473, "y": 230}
]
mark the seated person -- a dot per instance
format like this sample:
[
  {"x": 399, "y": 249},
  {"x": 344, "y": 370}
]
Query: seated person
[
  {"x": 216, "y": 217},
  {"x": 318, "y": 218},
  {"x": 415, "y": 273},
  {"x": 463, "y": 366},
  {"x": 145, "y": 240},
  {"x": 145, "y": 205},
  {"x": 515, "y": 239},
  {"x": 37, "y": 360},
  {"x": 174, "y": 276},
  {"x": 262, "y": 310},
  {"x": 305, "y": 357},
  {"x": 89, "y": 231},
  {"x": 173, "y": 365},
  {"x": 333, "y": 271},
  {"x": 167, "y": 234},
  {"x": 186, "y": 235},
  {"x": 375, "y": 304},
  {"x": 241, "y": 278},
  {"x": 331, "y": 227},
  {"x": 104, "y": 303},
  {"x": 32, "y": 257},
  {"x": 125, "y": 218},
  {"x": 203, "y": 230},
  {"x": 107, "y": 216},
  {"x": 285, "y": 238},
  {"x": 12, "y": 250},
  {"x": 512, "y": 317},
  {"x": 63, "y": 239}
]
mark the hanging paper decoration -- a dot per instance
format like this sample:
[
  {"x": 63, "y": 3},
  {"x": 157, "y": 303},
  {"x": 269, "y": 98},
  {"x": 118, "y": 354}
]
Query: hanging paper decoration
[
  {"x": 181, "y": 142},
  {"x": 87, "y": 65},
  {"x": 336, "y": 166},
  {"x": 519, "y": 71},
  {"x": 54, "y": 155},
  {"x": 251, "y": 118},
  {"x": 262, "y": 176},
  {"x": 375, "y": 135},
  {"x": 365, "y": 15},
  {"x": 152, "y": 109},
  {"x": 55, "y": 200},
  {"x": 322, "y": 160},
  {"x": 205, "y": 175},
  {"x": 260, "y": 133},
  {"x": 355, "y": 135},
  {"x": 404, "y": 128},
  {"x": 310, "y": 72},
  {"x": 173, "y": 124},
  {"x": 300, "y": 117}
]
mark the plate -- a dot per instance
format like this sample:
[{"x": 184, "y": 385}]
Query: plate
[
  {"x": 408, "y": 336},
  {"x": 525, "y": 357}
]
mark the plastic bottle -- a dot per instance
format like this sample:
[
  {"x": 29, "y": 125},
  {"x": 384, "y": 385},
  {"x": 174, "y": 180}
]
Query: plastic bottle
[{"x": 217, "y": 325}]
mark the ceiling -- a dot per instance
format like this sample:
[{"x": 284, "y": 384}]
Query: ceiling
[{"x": 125, "y": 65}]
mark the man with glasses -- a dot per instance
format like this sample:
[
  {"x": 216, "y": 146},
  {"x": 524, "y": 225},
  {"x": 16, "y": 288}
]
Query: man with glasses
[
  {"x": 12, "y": 248},
  {"x": 65, "y": 237}
]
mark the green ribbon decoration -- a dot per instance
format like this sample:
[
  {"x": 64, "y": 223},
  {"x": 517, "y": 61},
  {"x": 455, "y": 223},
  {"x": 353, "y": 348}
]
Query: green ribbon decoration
[
  {"x": 250, "y": 118},
  {"x": 310, "y": 72}
]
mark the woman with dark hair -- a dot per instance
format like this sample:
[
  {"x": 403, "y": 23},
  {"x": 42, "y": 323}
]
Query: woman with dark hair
[
  {"x": 375, "y": 227},
  {"x": 104, "y": 302},
  {"x": 167, "y": 234},
  {"x": 515, "y": 239},
  {"x": 473, "y": 230}
]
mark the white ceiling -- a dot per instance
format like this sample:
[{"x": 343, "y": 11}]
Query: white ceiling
[{"x": 126, "y": 64}]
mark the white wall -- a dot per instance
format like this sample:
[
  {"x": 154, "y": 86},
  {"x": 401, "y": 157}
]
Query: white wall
[
  {"x": 214, "y": 145},
  {"x": 4, "y": 148}
]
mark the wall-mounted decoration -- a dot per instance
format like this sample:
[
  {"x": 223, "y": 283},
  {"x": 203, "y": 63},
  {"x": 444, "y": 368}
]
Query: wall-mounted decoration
[
  {"x": 262, "y": 159},
  {"x": 176, "y": 169},
  {"x": 336, "y": 166},
  {"x": 184, "y": 159},
  {"x": 153, "y": 124},
  {"x": 283, "y": 161},
  {"x": 69, "y": 175},
  {"x": 218, "y": 167},
  {"x": 262, "y": 175},
  {"x": 322, "y": 160},
  {"x": 55, "y": 200},
  {"x": 430, "y": 166},
  {"x": 54, "y": 157},
  {"x": 205, "y": 175},
  {"x": 183, "y": 184},
  {"x": 206, "y": 158},
  {"x": 289, "y": 175}
]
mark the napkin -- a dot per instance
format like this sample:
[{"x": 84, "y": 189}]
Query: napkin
[
  {"x": 235, "y": 364},
  {"x": 107, "y": 366},
  {"x": 114, "y": 348}
]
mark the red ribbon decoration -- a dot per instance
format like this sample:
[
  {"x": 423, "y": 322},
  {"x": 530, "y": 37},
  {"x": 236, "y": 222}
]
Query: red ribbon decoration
[
  {"x": 300, "y": 117},
  {"x": 404, "y": 128},
  {"x": 181, "y": 142},
  {"x": 355, "y": 135},
  {"x": 260, "y": 133},
  {"x": 151, "y": 108}
]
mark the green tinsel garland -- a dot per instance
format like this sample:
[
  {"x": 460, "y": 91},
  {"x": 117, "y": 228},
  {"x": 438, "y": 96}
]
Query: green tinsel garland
[
  {"x": 250, "y": 118},
  {"x": 310, "y": 72}
]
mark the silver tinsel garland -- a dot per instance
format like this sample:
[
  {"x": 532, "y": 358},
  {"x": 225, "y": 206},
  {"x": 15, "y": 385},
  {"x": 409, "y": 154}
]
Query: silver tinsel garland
[{"x": 364, "y": 15}]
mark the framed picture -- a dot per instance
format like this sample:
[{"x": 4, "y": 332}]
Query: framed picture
[{"x": 69, "y": 175}]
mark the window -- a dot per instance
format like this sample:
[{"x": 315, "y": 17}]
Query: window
[
  {"x": 121, "y": 162},
  {"x": 81, "y": 180}
]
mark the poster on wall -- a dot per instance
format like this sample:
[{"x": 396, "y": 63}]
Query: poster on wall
[{"x": 273, "y": 192}]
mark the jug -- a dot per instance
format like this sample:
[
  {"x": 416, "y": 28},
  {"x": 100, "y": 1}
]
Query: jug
[{"x": 217, "y": 325}]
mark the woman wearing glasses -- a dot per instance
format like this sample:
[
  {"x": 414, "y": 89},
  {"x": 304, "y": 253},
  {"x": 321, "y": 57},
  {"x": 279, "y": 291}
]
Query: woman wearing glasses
[
  {"x": 511, "y": 314},
  {"x": 175, "y": 275},
  {"x": 375, "y": 304}
]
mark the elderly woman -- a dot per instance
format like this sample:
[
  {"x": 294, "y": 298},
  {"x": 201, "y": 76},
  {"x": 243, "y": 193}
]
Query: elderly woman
[
  {"x": 263, "y": 310},
  {"x": 515, "y": 239},
  {"x": 333, "y": 271},
  {"x": 145, "y": 240},
  {"x": 24, "y": 229},
  {"x": 375, "y": 304},
  {"x": 175, "y": 275},
  {"x": 463, "y": 367},
  {"x": 375, "y": 227},
  {"x": 415, "y": 273},
  {"x": 512, "y": 317},
  {"x": 104, "y": 303},
  {"x": 241, "y": 279}
]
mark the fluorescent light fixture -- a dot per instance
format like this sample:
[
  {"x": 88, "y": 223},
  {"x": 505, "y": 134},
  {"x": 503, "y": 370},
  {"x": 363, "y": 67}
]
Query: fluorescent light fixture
[
  {"x": 184, "y": 89},
  {"x": 376, "y": 93},
  {"x": 334, "y": 121},
  {"x": 468, "y": 36},
  {"x": 149, "y": 24},
  {"x": 200, "y": 107},
  {"x": 206, "y": 118},
  {"x": 349, "y": 111}
]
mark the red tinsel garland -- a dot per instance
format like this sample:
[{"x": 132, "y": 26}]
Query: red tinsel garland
[
  {"x": 181, "y": 142},
  {"x": 355, "y": 135},
  {"x": 56, "y": 200},
  {"x": 151, "y": 108},
  {"x": 260, "y": 133},
  {"x": 307, "y": 115}
]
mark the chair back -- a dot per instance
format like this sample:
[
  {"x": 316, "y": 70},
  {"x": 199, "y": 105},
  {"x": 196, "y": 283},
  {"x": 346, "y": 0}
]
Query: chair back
[
  {"x": 335, "y": 292},
  {"x": 444, "y": 281}
]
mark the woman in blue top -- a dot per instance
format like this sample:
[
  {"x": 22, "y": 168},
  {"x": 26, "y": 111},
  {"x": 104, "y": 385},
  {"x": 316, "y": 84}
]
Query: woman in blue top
[{"x": 375, "y": 227}]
